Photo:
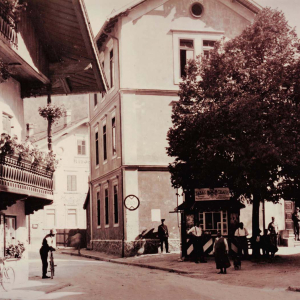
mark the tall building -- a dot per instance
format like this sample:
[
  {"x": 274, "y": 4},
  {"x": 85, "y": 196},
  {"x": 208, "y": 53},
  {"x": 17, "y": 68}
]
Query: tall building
[{"x": 143, "y": 50}]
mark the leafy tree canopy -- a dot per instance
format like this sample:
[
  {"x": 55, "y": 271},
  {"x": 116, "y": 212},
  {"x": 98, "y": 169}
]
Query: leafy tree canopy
[{"x": 237, "y": 121}]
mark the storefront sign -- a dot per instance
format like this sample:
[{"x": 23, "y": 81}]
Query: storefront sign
[{"x": 212, "y": 194}]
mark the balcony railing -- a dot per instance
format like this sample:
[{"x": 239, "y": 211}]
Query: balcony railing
[{"x": 24, "y": 178}]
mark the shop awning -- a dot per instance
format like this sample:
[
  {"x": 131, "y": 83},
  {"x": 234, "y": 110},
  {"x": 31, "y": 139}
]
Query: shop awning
[{"x": 212, "y": 205}]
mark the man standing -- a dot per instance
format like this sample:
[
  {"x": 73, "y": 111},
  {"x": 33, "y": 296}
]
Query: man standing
[
  {"x": 46, "y": 247},
  {"x": 196, "y": 235},
  {"x": 163, "y": 235},
  {"x": 241, "y": 236},
  {"x": 296, "y": 220}
]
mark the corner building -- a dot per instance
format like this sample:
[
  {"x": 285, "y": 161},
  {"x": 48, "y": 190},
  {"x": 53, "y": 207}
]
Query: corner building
[{"x": 143, "y": 50}]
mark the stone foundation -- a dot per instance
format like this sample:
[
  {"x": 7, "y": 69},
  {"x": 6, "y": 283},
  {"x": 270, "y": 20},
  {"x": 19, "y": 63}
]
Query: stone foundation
[{"x": 132, "y": 248}]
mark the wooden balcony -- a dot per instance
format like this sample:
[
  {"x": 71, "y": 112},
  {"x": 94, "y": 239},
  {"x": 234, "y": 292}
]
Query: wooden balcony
[{"x": 20, "y": 180}]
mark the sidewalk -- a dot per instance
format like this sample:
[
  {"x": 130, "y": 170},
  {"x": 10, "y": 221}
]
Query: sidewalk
[{"x": 281, "y": 273}]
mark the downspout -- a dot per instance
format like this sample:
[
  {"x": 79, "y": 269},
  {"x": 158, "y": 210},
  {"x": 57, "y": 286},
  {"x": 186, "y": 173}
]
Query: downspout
[
  {"x": 90, "y": 186},
  {"x": 121, "y": 146}
]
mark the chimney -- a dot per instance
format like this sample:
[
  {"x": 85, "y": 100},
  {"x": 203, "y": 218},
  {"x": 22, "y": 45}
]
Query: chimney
[
  {"x": 30, "y": 129},
  {"x": 67, "y": 118}
]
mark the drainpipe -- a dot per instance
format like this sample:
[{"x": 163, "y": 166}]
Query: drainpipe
[{"x": 90, "y": 187}]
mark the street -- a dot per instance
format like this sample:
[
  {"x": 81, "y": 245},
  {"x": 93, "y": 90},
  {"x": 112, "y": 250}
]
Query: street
[{"x": 81, "y": 278}]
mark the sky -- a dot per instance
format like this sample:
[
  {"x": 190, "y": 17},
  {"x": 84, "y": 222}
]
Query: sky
[{"x": 98, "y": 10}]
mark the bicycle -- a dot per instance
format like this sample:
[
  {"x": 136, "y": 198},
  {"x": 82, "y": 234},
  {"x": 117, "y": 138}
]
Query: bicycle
[
  {"x": 7, "y": 276},
  {"x": 52, "y": 264}
]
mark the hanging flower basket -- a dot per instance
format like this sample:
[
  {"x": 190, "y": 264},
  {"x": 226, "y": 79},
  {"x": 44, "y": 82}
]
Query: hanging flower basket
[{"x": 52, "y": 112}]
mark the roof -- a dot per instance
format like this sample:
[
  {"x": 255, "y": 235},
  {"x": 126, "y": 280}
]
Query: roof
[
  {"x": 64, "y": 32},
  {"x": 112, "y": 19},
  {"x": 57, "y": 131}
]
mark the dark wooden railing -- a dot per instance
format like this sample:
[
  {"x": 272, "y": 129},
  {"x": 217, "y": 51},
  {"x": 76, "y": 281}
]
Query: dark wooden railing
[{"x": 24, "y": 176}]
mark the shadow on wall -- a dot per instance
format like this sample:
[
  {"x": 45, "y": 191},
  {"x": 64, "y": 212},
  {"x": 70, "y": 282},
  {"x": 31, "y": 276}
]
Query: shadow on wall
[{"x": 147, "y": 242}]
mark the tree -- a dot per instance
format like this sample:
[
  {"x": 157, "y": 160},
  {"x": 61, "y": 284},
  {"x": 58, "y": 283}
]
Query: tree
[{"x": 237, "y": 121}]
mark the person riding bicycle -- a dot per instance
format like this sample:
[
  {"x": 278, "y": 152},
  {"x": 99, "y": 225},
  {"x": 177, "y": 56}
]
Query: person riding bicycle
[{"x": 46, "y": 247}]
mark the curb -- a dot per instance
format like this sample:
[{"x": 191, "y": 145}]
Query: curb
[{"x": 115, "y": 261}]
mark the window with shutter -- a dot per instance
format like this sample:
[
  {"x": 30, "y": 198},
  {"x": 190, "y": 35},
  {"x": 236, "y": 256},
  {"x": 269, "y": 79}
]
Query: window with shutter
[{"x": 72, "y": 183}]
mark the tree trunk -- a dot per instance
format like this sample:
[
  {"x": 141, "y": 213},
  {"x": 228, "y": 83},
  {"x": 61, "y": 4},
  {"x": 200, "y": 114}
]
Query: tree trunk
[{"x": 255, "y": 225}]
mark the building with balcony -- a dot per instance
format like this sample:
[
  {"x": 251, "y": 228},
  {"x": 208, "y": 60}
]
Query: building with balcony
[
  {"x": 70, "y": 142},
  {"x": 47, "y": 49},
  {"x": 143, "y": 50}
]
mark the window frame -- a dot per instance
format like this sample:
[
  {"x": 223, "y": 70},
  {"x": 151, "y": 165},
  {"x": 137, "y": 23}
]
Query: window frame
[
  {"x": 197, "y": 37},
  {"x": 73, "y": 183},
  {"x": 81, "y": 147},
  {"x": 106, "y": 206},
  {"x": 55, "y": 219},
  {"x": 113, "y": 135},
  {"x": 98, "y": 206},
  {"x": 76, "y": 217},
  {"x": 96, "y": 137},
  {"x": 111, "y": 68},
  {"x": 223, "y": 221},
  {"x": 104, "y": 141},
  {"x": 116, "y": 203}
]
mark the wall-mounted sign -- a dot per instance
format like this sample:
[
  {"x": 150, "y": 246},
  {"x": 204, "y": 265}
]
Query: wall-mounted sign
[
  {"x": 131, "y": 202},
  {"x": 212, "y": 194}
]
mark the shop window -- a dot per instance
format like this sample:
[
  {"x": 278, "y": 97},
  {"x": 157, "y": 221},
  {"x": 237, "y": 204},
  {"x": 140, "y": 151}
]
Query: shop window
[
  {"x": 6, "y": 124},
  {"x": 72, "y": 218},
  {"x": 10, "y": 230},
  {"x": 71, "y": 183},
  {"x": 186, "y": 53},
  {"x": 214, "y": 222},
  {"x": 98, "y": 210},
  {"x": 50, "y": 218},
  {"x": 106, "y": 207},
  {"x": 116, "y": 208},
  {"x": 81, "y": 147}
]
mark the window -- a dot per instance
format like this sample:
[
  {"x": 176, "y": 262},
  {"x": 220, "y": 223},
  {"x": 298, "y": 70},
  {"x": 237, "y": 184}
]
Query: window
[
  {"x": 116, "y": 208},
  {"x": 10, "y": 230},
  {"x": 196, "y": 9},
  {"x": 214, "y": 221},
  {"x": 207, "y": 46},
  {"x": 186, "y": 53},
  {"x": 106, "y": 207},
  {"x": 111, "y": 67},
  {"x": 71, "y": 183},
  {"x": 50, "y": 218},
  {"x": 97, "y": 147},
  {"x": 98, "y": 209},
  {"x": 81, "y": 147},
  {"x": 104, "y": 143},
  {"x": 72, "y": 218},
  {"x": 6, "y": 124},
  {"x": 95, "y": 100},
  {"x": 113, "y": 133}
]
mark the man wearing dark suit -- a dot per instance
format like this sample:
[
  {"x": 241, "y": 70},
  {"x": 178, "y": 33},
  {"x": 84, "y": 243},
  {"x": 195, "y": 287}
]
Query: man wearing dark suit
[{"x": 163, "y": 235}]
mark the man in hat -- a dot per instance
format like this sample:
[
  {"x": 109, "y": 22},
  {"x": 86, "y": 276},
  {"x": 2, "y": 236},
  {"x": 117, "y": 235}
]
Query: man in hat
[
  {"x": 296, "y": 220},
  {"x": 47, "y": 245},
  {"x": 163, "y": 235}
]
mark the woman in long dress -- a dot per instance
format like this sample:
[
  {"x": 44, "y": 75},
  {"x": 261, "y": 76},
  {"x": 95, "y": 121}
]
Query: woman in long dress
[
  {"x": 273, "y": 229},
  {"x": 221, "y": 253}
]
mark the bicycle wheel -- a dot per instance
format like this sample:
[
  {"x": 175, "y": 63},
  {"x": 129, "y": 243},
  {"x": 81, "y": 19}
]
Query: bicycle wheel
[
  {"x": 52, "y": 267},
  {"x": 8, "y": 278}
]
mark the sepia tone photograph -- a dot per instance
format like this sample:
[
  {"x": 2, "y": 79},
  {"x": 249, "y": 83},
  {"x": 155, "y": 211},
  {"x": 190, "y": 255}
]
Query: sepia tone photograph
[{"x": 149, "y": 149}]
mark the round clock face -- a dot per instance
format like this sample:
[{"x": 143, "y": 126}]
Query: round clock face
[{"x": 131, "y": 202}]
